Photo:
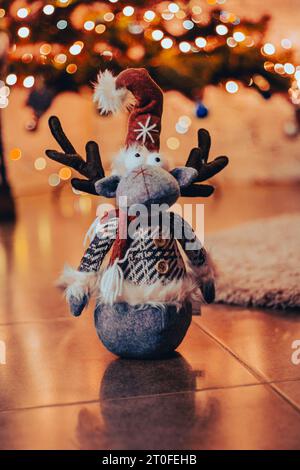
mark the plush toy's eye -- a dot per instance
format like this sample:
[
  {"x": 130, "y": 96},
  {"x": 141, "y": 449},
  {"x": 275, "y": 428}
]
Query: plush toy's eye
[
  {"x": 137, "y": 155},
  {"x": 154, "y": 159}
]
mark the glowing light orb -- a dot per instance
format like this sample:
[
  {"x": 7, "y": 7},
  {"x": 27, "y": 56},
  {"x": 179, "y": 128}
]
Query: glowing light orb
[
  {"x": 40, "y": 163},
  {"x": 286, "y": 43},
  {"x": 157, "y": 35},
  {"x": 89, "y": 25},
  {"x": 22, "y": 13},
  {"x": 269, "y": 48},
  {"x": 128, "y": 11},
  {"x": 188, "y": 24},
  {"x": 200, "y": 42},
  {"x": 65, "y": 173},
  {"x": 149, "y": 15},
  {"x": 231, "y": 86},
  {"x": 185, "y": 46},
  {"x": 15, "y": 154},
  {"x": 75, "y": 49},
  {"x": 289, "y": 68},
  {"x": 45, "y": 49},
  {"x": 62, "y": 24},
  {"x": 48, "y": 9},
  {"x": 173, "y": 7},
  {"x": 54, "y": 180},
  {"x": 11, "y": 79},
  {"x": 28, "y": 82},
  {"x": 173, "y": 143},
  {"x": 23, "y": 32},
  {"x": 239, "y": 36},
  {"x": 166, "y": 43},
  {"x": 221, "y": 29}
]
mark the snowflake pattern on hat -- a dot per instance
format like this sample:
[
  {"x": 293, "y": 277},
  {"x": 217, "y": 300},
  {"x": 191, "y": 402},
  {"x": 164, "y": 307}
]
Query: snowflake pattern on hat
[{"x": 145, "y": 130}]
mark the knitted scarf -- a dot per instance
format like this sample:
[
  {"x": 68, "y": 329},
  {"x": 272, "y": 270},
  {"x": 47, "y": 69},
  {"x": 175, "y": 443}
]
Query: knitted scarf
[{"x": 122, "y": 241}]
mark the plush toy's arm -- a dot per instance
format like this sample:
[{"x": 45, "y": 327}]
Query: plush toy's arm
[
  {"x": 198, "y": 257},
  {"x": 81, "y": 283},
  {"x": 95, "y": 253}
]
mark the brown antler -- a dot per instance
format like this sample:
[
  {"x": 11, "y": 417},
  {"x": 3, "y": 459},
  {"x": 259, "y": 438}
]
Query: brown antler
[
  {"x": 92, "y": 168},
  {"x": 198, "y": 159}
]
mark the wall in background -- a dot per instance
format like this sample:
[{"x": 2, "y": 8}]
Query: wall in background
[{"x": 244, "y": 126}]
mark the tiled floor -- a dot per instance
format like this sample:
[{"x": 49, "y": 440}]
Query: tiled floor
[{"x": 231, "y": 386}]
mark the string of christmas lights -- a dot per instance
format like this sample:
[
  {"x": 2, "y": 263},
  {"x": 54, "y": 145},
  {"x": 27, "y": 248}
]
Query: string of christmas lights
[{"x": 60, "y": 45}]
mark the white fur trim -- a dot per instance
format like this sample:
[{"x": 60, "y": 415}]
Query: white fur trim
[
  {"x": 126, "y": 161},
  {"x": 174, "y": 292},
  {"x": 77, "y": 283},
  {"x": 107, "y": 97}
]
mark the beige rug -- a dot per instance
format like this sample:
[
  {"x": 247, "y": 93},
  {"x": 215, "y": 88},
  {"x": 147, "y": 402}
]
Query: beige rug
[{"x": 258, "y": 263}]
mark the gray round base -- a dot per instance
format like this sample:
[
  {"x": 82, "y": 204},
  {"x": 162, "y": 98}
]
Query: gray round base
[{"x": 142, "y": 331}]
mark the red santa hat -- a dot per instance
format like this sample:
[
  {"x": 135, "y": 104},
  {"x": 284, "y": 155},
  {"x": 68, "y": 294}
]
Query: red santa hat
[{"x": 144, "y": 125}]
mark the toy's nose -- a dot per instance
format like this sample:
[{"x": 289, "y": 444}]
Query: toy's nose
[{"x": 141, "y": 172}]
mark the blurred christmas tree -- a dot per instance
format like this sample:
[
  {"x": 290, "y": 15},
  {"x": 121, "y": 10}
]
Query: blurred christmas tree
[{"x": 60, "y": 45}]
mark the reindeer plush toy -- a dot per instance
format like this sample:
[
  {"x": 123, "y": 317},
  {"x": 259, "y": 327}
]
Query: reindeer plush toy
[{"x": 143, "y": 297}]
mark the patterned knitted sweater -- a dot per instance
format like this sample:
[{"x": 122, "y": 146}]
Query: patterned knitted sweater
[{"x": 153, "y": 269}]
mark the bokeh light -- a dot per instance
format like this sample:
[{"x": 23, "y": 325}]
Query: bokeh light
[
  {"x": 4, "y": 90},
  {"x": 40, "y": 163},
  {"x": 60, "y": 58},
  {"x": 45, "y": 49},
  {"x": 286, "y": 43},
  {"x": 185, "y": 121},
  {"x": 231, "y": 86},
  {"x": 15, "y": 154},
  {"x": 108, "y": 17},
  {"x": 185, "y": 46},
  {"x": 166, "y": 43},
  {"x": 71, "y": 68},
  {"x": 221, "y": 29},
  {"x": 128, "y": 11},
  {"x": 75, "y": 49},
  {"x": 65, "y": 173},
  {"x": 238, "y": 36},
  {"x": 11, "y": 79},
  {"x": 200, "y": 42},
  {"x": 48, "y": 9},
  {"x": 157, "y": 35},
  {"x": 173, "y": 7},
  {"x": 89, "y": 25},
  {"x": 173, "y": 143},
  {"x": 188, "y": 24},
  {"x": 28, "y": 82},
  {"x": 231, "y": 42},
  {"x": 100, "y": 28},
  {"x": 22, "y": 13},
  {"x": 23, "y": 32},
  {"x": 269, "y": 49},
  {"x": 54, "y": 179},
  {"x": 149, "y": 15},
  {"x": 62, "y": 24},
  {"x": 289, "y": 68},
  {"x": 3, "y": 102}
]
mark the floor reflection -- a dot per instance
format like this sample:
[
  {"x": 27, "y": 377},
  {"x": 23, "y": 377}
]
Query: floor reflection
[{"x": 146, "y": 403}]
